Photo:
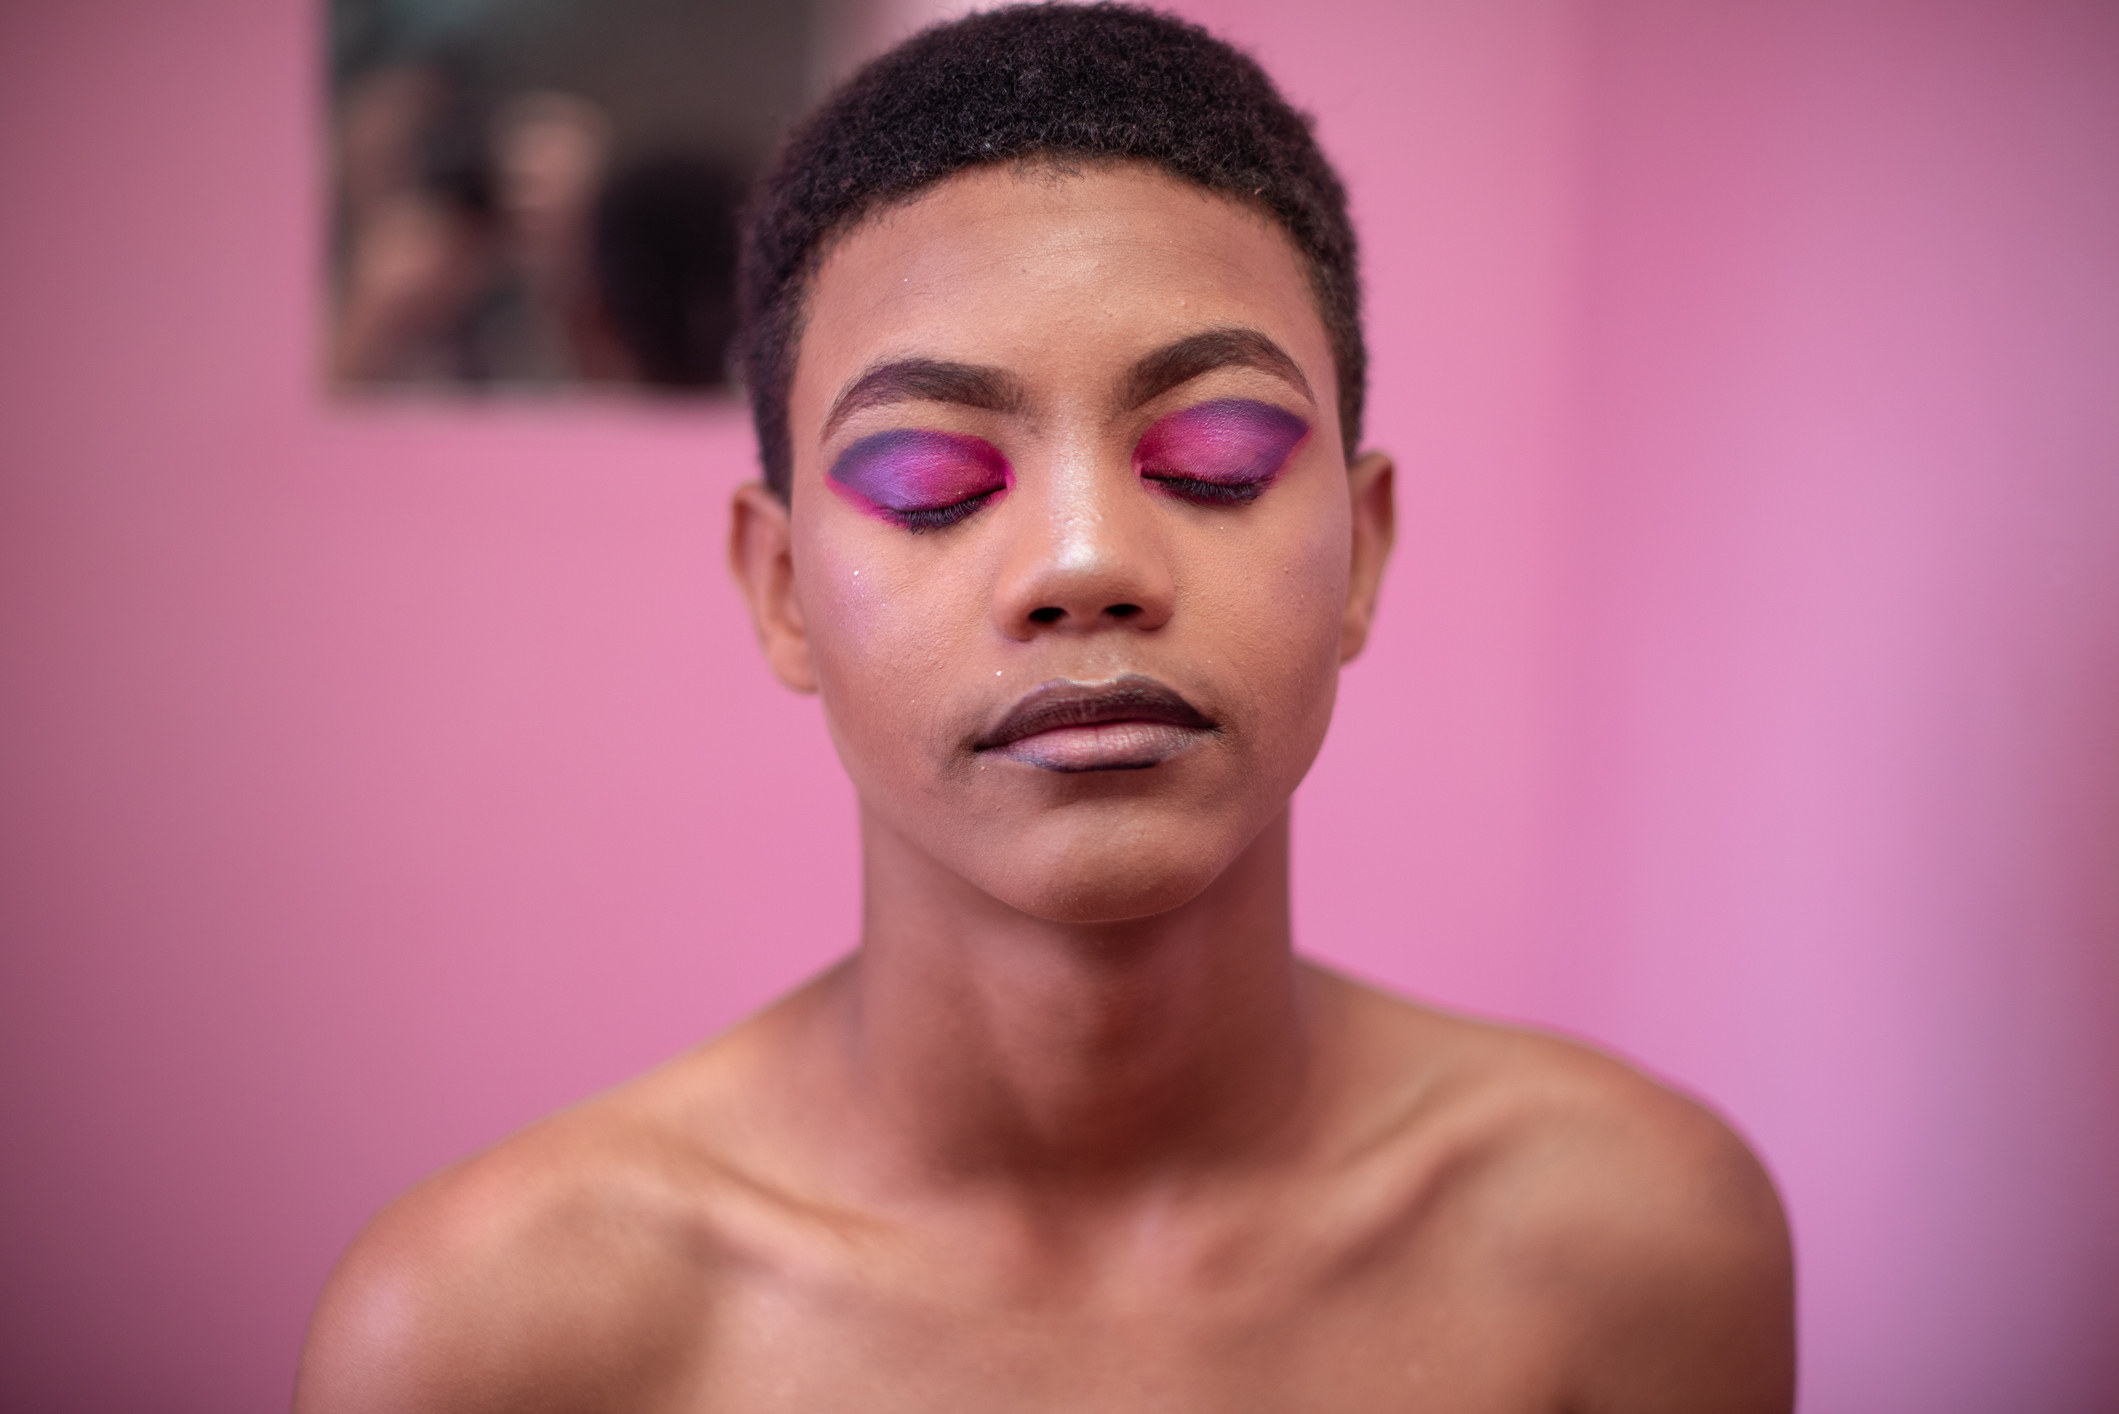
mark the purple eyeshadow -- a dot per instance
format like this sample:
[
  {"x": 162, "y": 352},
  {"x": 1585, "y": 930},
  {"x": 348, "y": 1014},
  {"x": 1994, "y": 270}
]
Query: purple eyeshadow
[
  {"x": 1228, "y": 442},
  {"x": 909, "y": 471}
]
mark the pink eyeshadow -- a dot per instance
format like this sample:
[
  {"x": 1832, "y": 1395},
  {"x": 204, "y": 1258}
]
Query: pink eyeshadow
[
  {"x": 1232, "y": 441},
  {"x": 914, "y": 470}
]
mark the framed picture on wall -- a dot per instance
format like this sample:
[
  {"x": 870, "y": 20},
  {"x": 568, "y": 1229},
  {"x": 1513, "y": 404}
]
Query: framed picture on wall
[{"x": 542, "y": 194}]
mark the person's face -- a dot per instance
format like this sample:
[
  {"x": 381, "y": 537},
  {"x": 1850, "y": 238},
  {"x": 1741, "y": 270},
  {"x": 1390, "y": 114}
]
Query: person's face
[{"x": 1073, "y": 432}]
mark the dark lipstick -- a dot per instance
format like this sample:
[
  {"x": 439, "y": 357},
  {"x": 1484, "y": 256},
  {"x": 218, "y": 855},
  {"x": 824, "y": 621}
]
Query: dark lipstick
[{"x": 1127, "y": 724}]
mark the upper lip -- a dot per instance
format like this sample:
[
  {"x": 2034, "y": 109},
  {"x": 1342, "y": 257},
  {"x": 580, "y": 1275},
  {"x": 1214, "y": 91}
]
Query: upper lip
[{"x": 1129, "y": 698}]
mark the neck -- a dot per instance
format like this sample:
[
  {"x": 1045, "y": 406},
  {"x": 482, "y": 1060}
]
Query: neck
[{"x": 988, "y": 1042}]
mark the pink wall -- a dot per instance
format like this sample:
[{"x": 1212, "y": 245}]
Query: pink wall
[
  {"x": 1842, "y": 754},
  {"x": 1748, "y": 695}
]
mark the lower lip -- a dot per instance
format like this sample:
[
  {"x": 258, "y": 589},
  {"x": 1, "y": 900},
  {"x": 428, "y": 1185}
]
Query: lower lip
[{"x": 1107, "y": 746}]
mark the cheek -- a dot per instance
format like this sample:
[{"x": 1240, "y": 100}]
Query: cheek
[
  {"x": 1301, "y": 559},
  {"x": 851, "y": 602},
  {"x": 879, "y": 634},
  {"x": 1283, "y": 619}
]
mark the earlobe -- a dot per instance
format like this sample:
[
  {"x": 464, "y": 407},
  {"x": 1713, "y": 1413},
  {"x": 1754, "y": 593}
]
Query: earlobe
[
  {"x": 1375, "y": 528},
  {"x": 761, "y": 557}
]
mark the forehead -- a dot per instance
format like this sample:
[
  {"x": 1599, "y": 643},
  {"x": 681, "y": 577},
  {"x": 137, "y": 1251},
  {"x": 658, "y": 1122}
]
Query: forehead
[{"x": 1059, "y": 274}]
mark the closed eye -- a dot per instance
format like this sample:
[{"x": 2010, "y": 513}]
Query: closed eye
[
  {"x": 921, "y": 479},
  {"x": 924, "y": 518},
  {"x": 1220, "y": 453},
  {"x": 1210, "y": 493}
]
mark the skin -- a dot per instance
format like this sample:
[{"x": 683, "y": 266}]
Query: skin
[{"x": 1074, "y": 1129}]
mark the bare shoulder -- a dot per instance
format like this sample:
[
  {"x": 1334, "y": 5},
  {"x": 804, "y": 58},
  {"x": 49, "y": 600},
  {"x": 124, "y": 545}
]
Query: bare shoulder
[
  {"x": 546, "y": 1270},
  {"x": 569, "y": 1267},
  {"x": 1633, "y": 1217}
]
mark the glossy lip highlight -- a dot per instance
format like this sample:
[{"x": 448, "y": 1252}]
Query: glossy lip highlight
[{"x": 1130, "y": 723}]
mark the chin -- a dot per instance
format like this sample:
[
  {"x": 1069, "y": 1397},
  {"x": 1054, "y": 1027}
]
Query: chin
[{"x": 1101, "y": 875}]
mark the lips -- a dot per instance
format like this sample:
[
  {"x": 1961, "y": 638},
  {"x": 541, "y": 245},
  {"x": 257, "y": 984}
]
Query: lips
[{"x": 1127, "y": 724}]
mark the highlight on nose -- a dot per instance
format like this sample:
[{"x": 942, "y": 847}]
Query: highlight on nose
[{"x": 1094, "y": 557}]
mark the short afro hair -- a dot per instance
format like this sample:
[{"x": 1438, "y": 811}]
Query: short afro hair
[{"x": 1098, "y": 82}]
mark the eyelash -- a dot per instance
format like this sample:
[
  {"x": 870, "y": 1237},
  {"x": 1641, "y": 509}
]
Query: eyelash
[
  {"x": 1211, "y": 493},
  {"x": 1186, "y": 488},
  {"x": 928, "y": 518}
]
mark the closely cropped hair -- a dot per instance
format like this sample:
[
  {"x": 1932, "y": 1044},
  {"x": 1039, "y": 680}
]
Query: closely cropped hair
[{"x": 1103, "y": 81}]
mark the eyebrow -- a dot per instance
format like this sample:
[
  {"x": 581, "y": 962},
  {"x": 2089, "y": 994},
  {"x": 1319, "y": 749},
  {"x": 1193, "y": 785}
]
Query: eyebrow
[
  {"x": 1231, "y": 347},
  {"x": 929, "y": 380}
]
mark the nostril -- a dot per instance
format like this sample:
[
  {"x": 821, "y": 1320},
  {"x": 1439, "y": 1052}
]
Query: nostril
[
  {"x": 1047, "y": 615},
  {"x": 1123, "y": 611}
]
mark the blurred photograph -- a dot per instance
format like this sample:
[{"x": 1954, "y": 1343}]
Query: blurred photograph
[{"x": 541, "y": 194}]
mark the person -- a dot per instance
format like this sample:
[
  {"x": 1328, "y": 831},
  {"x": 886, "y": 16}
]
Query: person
[{"x": 1051, "y": 336}]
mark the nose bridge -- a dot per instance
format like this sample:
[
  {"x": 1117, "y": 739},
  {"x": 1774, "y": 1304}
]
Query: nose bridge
[{"x": 1088, "y": 554}]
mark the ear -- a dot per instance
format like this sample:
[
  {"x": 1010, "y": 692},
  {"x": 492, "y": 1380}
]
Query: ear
[
  {"x": 761, "y": 556},
  {"x": 1368, "y": 482}
]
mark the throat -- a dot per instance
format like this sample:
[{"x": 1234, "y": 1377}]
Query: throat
[{"x": 983, "y": 1043}]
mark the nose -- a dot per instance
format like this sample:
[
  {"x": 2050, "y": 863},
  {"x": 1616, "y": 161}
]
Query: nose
[{"x": 1086, "y": 555}]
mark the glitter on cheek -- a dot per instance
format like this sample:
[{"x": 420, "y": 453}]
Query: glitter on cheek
[
  {"x": 910, "y": 470},
  {"x": 1231, "y": 441}
]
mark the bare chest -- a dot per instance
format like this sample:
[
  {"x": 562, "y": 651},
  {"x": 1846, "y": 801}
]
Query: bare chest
[{"x": 1380, "y": 1340}]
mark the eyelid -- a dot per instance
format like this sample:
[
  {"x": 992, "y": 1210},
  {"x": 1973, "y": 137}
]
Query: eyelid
[
  {"x": 1224, "y": 441},
  {"x": 889, "y": 438},
  {"x": 905, "y": 474}
]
